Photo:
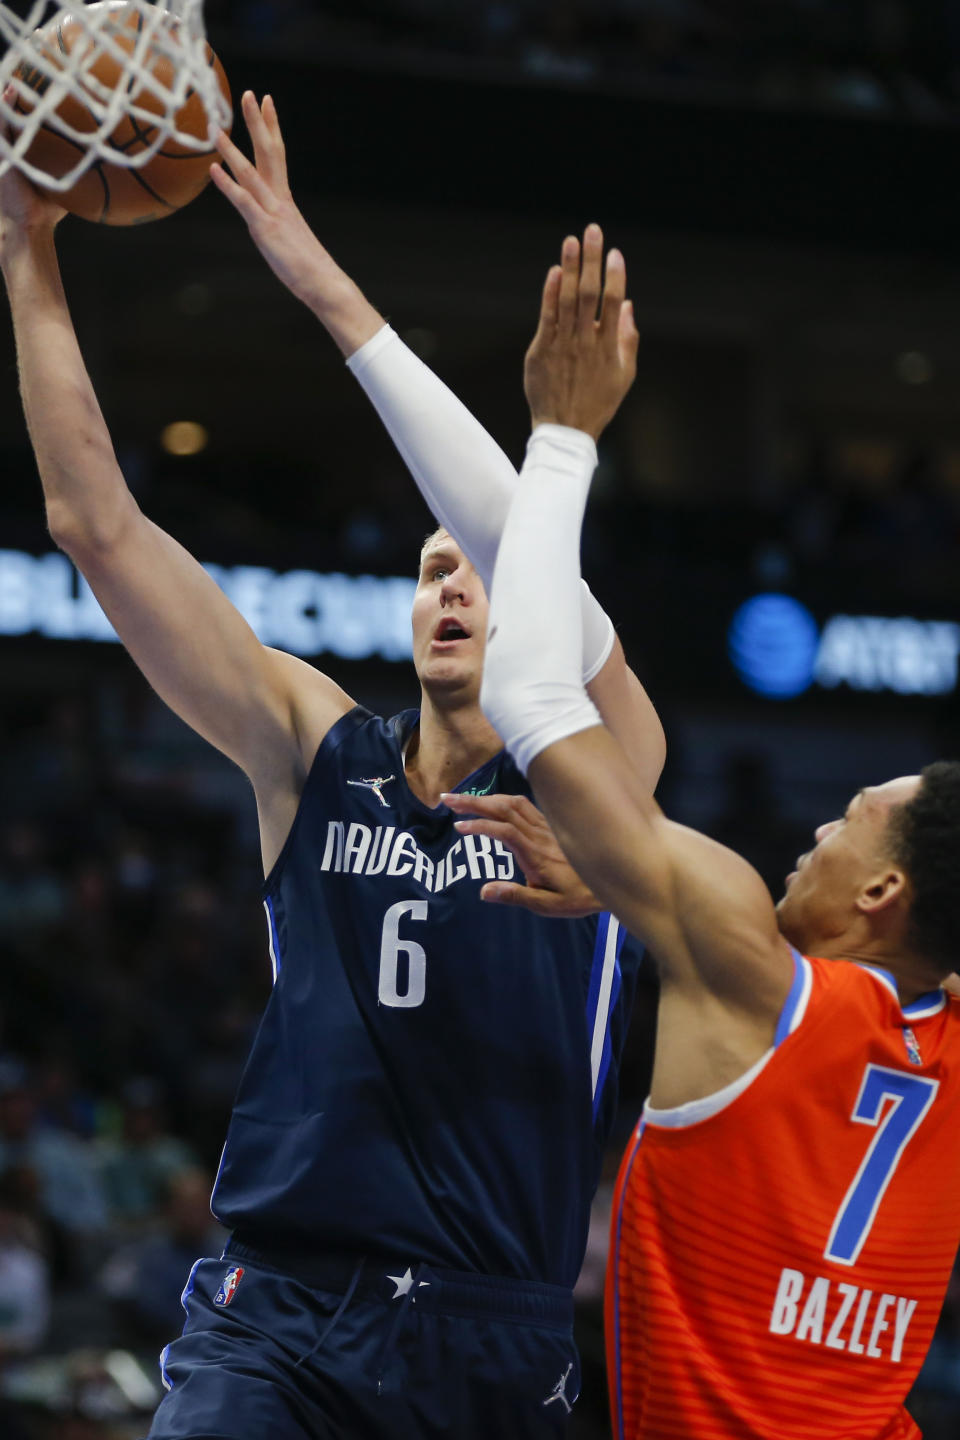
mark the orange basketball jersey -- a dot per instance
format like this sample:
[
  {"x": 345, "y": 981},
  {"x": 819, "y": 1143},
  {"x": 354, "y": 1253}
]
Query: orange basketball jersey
[{"x": 781, "y": 1250}]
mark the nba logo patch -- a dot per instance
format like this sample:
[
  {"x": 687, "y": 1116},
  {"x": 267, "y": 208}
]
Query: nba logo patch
[
  {"x": 229, "y": 1287},
  {"x": 913, "y": 1049}
]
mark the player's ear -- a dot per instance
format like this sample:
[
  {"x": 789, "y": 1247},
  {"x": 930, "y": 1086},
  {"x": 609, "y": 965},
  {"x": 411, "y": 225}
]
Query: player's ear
[{"x": 885, "y": 888}]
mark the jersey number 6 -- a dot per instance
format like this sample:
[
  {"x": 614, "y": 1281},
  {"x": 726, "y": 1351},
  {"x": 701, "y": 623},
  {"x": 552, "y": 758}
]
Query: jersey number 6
[
  {"x": 909, "y": 1097},
  {"x": 392, "y": 948}
]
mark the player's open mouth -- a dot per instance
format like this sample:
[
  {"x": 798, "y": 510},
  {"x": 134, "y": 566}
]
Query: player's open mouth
[
  {"x": 801, "y": 861},
  {"x": 450, "y": 630}
]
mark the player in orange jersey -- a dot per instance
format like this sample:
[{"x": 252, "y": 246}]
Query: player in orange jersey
[{"x": 788, "y": 1210}]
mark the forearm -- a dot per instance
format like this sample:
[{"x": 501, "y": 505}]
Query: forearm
[
  {"x": 338, "y": 303},
  {"x": 532, "y": 687},
  {"x": 86, "y": 496},
  {"x": 462, "y": 473},
  {"x": 460, "y": 470},
  {"x": 604, "y": 819},
  {"x": 630, "y": 715}
]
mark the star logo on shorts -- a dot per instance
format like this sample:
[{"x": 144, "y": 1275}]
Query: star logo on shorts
[
  {"x": 404, "y": 1284},
  {"x": 375, "y": 784}
]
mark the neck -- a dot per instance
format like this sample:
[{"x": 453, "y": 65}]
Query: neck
[
  {"x": 914, "y": 975},
  {"x": 447, "y": 747}
]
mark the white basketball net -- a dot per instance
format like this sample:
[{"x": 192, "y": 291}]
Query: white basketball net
[{"x": 173, "y": 30}]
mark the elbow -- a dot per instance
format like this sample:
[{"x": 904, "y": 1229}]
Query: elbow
[
  {"x": 84, "y": 536},
  {"x": 63, "y": 526}
]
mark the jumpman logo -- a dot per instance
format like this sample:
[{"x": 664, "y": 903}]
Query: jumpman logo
[
  {"x": 376, "y": 786},
  {"x": 559, "y": 1391}
]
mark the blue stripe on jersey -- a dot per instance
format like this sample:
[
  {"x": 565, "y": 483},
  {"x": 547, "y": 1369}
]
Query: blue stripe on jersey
[
  {"x": 602, "y": 997},
  {"x": 796, "y": 997},
  {"x": 273, "y": 938}
]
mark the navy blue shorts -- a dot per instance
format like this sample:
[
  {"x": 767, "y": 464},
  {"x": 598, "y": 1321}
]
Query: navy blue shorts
[{"x": 376, "y": 1350}]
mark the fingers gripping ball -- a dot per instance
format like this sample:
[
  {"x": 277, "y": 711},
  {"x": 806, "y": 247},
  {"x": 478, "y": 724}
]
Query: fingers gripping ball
[{"x": 111, "y": 193}]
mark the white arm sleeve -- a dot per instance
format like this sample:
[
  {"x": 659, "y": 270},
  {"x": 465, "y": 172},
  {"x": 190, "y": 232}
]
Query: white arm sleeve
[
  {"x": 532, "y": 690},
  {"x": 465, "y": 478}
]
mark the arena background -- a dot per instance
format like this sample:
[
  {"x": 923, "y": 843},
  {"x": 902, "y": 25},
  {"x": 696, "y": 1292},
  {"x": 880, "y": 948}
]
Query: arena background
[{"x": 775, "y": 530}]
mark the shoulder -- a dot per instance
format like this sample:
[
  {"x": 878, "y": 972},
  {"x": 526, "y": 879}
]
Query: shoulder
[
  {"x": 359, "y": 734},
  {"x": 316, "y": 701},
  {"x": 870, "y": 993},
  {"x": 830, "y": 993},
  {"x": 361, "y": 741},
  {"x": 836, "y": 983},
  {"x": 306, "y": 705}
]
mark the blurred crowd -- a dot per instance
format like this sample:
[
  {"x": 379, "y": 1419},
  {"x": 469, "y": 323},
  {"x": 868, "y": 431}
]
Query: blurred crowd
[
  {"x": 878, "y": 56},
  {"x": 844, "y": 521},
  {"x": 133, "y": 968},
  {"x": 131, "y": 976}
]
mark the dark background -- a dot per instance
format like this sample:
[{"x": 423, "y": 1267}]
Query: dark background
[{"x": 781, "y": 181}]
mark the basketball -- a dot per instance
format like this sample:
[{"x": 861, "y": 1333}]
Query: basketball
[{"x": 114, "y": 194}]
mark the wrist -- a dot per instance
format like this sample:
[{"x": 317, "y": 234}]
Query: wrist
[
  {"x": 571, "y": 443},
  {"x": 538, "y": 421},
  {"x": 19, "y": 243},
  {"x": 345, "y": 313},
  {"x": 364, "y": 355}
]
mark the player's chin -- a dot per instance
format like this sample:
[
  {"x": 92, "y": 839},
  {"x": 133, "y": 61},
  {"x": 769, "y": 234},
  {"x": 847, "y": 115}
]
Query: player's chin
[
  {"x": 451, "y": 670},
  {"x": 785, "y": 902},
  {"x": 788, "y": 921}
]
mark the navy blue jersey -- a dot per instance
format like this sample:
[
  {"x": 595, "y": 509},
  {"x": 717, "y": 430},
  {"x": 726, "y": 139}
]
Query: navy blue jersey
[{"x": 433, "y": 1076}]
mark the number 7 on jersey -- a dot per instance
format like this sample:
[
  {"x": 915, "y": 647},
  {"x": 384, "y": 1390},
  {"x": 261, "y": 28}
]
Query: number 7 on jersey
[{"x": 909, "y": 1097}]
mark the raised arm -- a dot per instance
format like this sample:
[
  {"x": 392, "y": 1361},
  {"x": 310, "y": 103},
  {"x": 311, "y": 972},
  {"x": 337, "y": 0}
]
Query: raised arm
[
  {"x": 703, "y": 911},
  {"x": 464, "y": 476},
  {"x": 266, "y": 710}
]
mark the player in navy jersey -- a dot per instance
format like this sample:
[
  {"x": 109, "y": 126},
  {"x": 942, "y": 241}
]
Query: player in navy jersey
[{"x": 417, "y": 1134}]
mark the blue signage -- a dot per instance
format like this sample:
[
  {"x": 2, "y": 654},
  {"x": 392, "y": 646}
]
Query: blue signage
[
  {"x": 773, "y": 643},
  {"x": 779, "y": 651}
]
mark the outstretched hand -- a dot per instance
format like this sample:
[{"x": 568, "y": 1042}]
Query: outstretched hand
[
  {"x": 22, "y": 206},
  {"x": 260, "y": 192},
  {"x": 553, "y": 887},
  {"x": 579, "y": 366}
]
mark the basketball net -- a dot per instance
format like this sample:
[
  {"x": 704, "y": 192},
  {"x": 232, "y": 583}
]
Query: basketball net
[{"x": 163, "y": 60}]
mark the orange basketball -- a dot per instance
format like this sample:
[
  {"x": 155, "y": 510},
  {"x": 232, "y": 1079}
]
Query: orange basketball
[{"x": 108, "y": 193}]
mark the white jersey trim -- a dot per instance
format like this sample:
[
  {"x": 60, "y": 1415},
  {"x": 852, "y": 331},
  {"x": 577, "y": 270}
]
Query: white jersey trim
[
  {"x": 921, "y": 1008},
  {"x": 274, "y": 959},
  {"x": 603, "y": 1002}
]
